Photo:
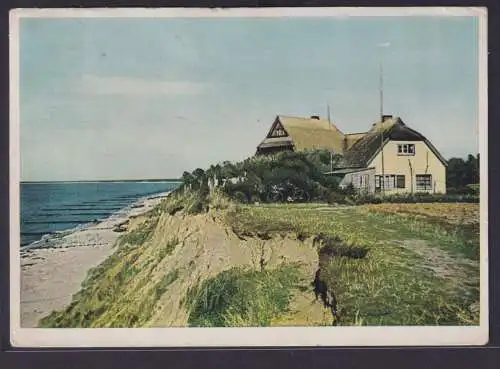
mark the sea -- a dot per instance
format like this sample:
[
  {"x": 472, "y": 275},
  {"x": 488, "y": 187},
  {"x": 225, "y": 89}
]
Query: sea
[{"x": 50, "y": 208}]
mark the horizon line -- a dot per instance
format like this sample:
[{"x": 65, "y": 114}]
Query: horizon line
[{"x": 103, "y": 180}]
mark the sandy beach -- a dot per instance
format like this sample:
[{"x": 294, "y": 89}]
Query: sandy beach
[{"x": 52, "y": 270}]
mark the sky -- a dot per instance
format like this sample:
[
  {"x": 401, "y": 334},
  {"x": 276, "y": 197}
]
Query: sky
[{"x": 150, "y": 98}]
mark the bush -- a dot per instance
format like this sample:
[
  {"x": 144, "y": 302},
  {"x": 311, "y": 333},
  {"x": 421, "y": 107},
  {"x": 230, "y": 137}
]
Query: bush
[
  {"x": 240, "y": 197},
  {"x": 467, "y": 190},
  {"x": 413, "y": 198},
  {"x": 336, "y": 198},
  {"x": 292, "y": 172},
  {"x": 255, "y": 198}
]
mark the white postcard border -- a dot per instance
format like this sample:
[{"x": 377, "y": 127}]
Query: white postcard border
[{"x": 235, "y": 337}]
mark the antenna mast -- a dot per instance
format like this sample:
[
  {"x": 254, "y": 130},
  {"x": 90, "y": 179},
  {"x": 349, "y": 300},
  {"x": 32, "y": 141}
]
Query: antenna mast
[
  {"x": 381, "y": 87},
  {"x": 381, "y": 81},
  {"x": 330, "y": 127}
]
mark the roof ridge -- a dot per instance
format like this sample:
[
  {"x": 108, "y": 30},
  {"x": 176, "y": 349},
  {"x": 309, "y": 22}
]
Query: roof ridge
[
  {"x": 301, "y": 117},
  {"x": 356, "y": 133}
]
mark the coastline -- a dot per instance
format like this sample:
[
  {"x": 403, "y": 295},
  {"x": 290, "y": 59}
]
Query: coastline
[{"x": 53, "y": 268}]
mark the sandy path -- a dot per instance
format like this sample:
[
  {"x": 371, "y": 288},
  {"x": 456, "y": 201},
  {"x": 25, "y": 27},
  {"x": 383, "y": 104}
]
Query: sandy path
[
  {"x": 443, "y": 264},
  {"x": 52, "y": 274}
]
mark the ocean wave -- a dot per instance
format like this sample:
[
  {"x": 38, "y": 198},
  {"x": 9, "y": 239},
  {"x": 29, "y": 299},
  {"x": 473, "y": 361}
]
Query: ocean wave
[
  {"x": 77, "y": 208},
  {"x": 59, "y": 215},
  {"x": 64, "y": 221}
]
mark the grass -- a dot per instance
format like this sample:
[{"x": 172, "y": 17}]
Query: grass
[
  {"x": 120, "y": 292},
  {"x": 238, "y": 297},
  {"x": 189, "y": 203},
  {"x": 392, "y": 285},
  {"x": 387, "y": 290},
  {"x": 139, "y": 235},
  {"x": 454, "y": 226}
]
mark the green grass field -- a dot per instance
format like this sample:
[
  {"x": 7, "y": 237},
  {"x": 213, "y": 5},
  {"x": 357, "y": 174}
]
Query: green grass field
[{"x": 415, "y": 272}]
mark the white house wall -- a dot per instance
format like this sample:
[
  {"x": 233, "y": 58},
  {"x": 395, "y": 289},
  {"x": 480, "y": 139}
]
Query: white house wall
[
  {"x": 424, "y": 161},
  {"x": 354, "y": 178}
]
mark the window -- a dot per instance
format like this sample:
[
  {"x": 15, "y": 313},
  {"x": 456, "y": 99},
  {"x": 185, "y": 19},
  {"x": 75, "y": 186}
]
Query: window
[
  {"x": 363, "y": 180},
  {"x": 424, "y": 182},
  {"x": 400, "y": 181},
  {"x": 390, "y": 182},
  {"x": 278, "y": 131},
  {"x": 406, "y": 149}
]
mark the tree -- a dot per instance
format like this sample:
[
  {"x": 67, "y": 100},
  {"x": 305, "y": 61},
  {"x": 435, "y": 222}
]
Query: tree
[
  {"x": 199, "y": 175},
  {"x": 188, "y": 180},
  {"x": 461, "y": 173}
]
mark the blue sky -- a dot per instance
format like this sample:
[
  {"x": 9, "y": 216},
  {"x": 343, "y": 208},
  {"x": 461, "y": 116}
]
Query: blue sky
[{"x": 150, "y": 98}]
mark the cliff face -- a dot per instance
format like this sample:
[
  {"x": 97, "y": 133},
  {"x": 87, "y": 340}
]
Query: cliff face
[{"x": 206, "y": 247}]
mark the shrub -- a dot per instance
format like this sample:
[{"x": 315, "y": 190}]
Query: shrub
[
  {"x": 413, "y": 198},
  {"x": 240, "y": 197},
  {"x": 336, "y": 198},
  {"x": 467, "y": 190},
  {"x": 256, "y": 175}
]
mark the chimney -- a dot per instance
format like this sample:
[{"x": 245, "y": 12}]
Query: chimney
[
  {"x": 386, "y": 117},
  {"x": 315, "y": 117}
]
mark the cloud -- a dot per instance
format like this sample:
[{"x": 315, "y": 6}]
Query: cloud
[{"x": 95, "y": 85}]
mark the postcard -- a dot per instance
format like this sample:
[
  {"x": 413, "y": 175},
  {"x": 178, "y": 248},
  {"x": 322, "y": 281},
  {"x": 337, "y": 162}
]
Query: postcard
[{"x": 248, "y": 177}]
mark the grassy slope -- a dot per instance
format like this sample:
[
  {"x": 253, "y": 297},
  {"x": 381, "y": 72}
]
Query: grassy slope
[
  {"x": 119, "y": 292},
  {"x": 395, "y": 283}
]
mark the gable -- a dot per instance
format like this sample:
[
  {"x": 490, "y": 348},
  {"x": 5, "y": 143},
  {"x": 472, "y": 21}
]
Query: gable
[
  {"x": 277, "y": 138},
  {"x": 277, "y": 130},
  {"x": 417, "y": 152}
]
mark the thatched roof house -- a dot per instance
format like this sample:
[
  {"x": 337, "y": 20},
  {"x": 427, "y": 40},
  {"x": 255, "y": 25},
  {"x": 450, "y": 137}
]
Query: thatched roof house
[
  {"x": 393, "y": 158},
  {"x": 296, "y": 134},
  {"x": 390, "y": 157}
]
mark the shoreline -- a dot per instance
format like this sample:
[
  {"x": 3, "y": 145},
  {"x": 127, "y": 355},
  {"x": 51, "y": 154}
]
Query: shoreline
[{"x": 53, "y": 268}]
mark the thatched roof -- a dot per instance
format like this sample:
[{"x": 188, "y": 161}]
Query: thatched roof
[
  {"x": 305, "y": 133},
  {"x": 352, "y": 138},
  {"x": 345, "y": 171},
  {"x": 367, "y": 147}
]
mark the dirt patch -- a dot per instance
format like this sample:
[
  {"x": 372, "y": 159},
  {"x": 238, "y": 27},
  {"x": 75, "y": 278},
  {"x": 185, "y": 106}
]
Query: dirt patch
[{"x": 439, "y": 261}]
